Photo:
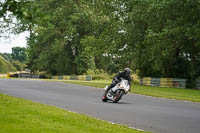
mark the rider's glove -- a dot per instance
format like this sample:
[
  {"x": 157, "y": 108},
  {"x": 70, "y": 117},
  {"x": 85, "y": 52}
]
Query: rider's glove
[{"x": 116, "y": 80}]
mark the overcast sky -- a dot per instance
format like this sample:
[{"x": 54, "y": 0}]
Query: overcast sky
[{"x": 14, "y": 41}]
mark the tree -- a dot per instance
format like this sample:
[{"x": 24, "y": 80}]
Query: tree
[
  {"x": 158, "y": 38},
  {"x": 57, "y": 34},
  {"x": 19, "y": 54},
  {"x": 164, "y": 34}
]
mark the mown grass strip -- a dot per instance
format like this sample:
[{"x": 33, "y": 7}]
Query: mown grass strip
[
  {"x": 23, "y": 116},
  {"x": 171, "y": 93}
]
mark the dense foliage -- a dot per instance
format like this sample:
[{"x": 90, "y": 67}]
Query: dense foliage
[
  {"x": 16, "y": 59},
  {"x": 158, "y": 38},
  {"x": 5, "y": 66},
  {"x": 19, "y": 54}
]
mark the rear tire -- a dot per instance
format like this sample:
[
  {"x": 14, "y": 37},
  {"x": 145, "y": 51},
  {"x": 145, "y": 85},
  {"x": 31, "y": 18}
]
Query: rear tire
[
  {"x": 104, "y": 98},
  {"x": 118, "y": 96}
]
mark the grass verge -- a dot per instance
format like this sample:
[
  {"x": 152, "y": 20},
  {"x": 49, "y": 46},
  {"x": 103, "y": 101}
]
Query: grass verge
[
  {"x": 171, "y": 93},
  {"x": 23, "y": 116}
]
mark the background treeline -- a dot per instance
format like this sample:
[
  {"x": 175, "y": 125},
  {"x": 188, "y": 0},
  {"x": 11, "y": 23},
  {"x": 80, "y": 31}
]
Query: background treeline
[
  {"x": 155, "y": 38},
  {"x": 15, "y": 61}
]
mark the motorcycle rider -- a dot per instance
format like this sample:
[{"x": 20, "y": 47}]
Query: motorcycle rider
[{"x": 125, "y": 74}]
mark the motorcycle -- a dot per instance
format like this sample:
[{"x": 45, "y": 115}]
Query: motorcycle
[{"x": 116, "y": 93}]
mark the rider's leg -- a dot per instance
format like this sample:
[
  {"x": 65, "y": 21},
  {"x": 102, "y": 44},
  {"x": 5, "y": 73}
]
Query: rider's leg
[{"x": 111, "y": 85}]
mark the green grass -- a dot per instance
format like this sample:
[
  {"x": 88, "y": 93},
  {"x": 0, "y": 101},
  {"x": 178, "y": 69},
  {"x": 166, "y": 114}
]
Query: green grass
[
  {"x": 171, "y": 93},
  {"x": 23, "y": 116}
]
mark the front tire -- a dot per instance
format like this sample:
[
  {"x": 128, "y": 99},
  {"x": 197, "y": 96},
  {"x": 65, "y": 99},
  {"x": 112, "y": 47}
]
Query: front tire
[
  {"x": 104, "y": 98},
  {"x": 118, "y": 96}
]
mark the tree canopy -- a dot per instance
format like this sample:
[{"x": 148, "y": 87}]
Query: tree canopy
[{"x": 157, "y": 38}]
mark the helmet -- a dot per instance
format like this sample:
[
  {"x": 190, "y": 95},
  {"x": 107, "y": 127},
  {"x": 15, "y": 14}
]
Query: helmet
[{"x": 127, "y": 71}]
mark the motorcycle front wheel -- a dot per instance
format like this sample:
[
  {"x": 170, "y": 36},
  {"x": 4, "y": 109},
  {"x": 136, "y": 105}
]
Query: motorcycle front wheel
[{"x": 104, "y": 98}]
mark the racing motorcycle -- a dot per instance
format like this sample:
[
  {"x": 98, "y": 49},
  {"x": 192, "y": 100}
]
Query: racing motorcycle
[{"x": 116, "y": 93}]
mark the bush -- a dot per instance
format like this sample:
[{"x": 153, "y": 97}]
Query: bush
[
  {"x": 18, "y": 65},
  {"x": 102, "y": 76}
]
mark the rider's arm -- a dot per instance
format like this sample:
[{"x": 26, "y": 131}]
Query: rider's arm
[{"x": 117, "y": 77}]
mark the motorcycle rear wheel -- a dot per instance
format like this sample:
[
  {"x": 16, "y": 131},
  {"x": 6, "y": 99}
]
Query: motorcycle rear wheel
[{"x": 118, "y": 96}]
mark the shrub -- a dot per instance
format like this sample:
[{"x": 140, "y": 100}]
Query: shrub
[{"x": 18, "y": 65}]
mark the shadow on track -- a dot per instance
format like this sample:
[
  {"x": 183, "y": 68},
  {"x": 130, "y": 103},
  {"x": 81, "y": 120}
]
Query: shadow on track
[{"x": 110, "y": 102}]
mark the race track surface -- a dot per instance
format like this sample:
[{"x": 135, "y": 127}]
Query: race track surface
[{"x": 142, "y": 112}]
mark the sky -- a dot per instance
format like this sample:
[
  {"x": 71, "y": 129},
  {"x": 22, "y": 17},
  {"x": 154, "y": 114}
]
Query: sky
[
  {"x": 6, "y": 44},
  {"x": 14, "y": 41}
]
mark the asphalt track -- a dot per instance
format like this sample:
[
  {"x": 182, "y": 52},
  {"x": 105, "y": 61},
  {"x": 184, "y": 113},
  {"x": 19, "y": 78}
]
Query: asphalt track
[{"x": 142, "y": 112}]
